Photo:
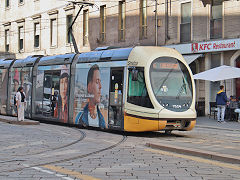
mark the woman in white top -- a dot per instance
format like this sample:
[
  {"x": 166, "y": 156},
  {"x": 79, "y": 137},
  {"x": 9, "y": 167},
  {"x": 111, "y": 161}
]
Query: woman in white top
[{"x": 21, "y": 99}]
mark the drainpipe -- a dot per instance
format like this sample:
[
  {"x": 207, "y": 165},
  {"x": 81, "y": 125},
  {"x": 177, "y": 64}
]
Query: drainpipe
[
  {"x": 166, "y": 21},
  {"x": 156, "y": 24}
]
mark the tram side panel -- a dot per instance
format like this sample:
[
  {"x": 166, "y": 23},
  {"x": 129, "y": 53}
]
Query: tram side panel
[
  {"x": 20, "y": 77},
  {"x": 91, "y": 95},
  {"x": 52, "y": 93},
  {"x": 3, "y": 90}
]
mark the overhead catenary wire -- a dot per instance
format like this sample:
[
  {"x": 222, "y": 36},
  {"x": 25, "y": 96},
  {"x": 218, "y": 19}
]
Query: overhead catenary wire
[
  {"x": 43, "y": 27},
  {"x": 45, "y": 23},
  {"x": 57, "y": 8}
]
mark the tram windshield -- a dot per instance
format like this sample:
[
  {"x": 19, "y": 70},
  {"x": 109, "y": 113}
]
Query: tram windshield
[{"x": 171, "y": 83}]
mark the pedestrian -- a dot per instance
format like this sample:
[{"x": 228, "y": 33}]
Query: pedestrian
[
  {"x": 237, "y": 110},
  {"x": 21, "y": 100},
  {"x": 221, "y": 101},
  {"x": 233, "y": 104}
]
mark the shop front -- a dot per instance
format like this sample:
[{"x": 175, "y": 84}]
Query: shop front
[{"x": 202, "y": 56}]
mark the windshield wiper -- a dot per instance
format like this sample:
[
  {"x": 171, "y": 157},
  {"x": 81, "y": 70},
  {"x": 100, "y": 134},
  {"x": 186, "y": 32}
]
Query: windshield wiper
[
  {"x": 181, "y": 89},
  {"x": 164, "y": 80}
]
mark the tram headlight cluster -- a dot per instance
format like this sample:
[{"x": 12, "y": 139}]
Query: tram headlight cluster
[
  {"x": 165, "y": 104},
  {"x": 185, "y": 105}
]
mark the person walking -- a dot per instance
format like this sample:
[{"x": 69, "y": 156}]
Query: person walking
[
  {"x": 21, "y": 100},
  {"x": 221, "y": 101}
]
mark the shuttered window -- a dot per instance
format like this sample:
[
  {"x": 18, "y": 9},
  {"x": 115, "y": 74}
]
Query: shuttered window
[
  {"x": 85, "y": 27},
  {"x": 53, "y": 24},
  {"x": 216, "y": 19},
  {"x": 7, "y": 37},
  {"x": 20, "y": 37},
  {"x": 36, "y": 34},
  {"x": 185, "y": 26}
]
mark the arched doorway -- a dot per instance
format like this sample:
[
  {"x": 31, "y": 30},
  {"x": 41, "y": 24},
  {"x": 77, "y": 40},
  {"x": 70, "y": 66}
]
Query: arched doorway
[{"x": 237, "y": 82}]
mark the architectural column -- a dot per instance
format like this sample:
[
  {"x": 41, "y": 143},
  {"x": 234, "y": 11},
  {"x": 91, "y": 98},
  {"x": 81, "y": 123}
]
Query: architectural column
[{"x": 207, "y": 63}]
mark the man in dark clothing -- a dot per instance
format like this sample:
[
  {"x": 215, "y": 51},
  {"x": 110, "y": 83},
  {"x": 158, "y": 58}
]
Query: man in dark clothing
[{"x": 221, "y": 101}]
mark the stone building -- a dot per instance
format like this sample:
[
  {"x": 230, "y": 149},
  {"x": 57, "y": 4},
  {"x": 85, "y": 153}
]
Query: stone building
[{"x": 206, "y": 32}]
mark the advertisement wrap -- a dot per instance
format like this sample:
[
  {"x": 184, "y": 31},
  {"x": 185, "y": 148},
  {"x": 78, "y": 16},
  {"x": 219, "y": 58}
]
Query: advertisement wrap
[
  {"x": 52, "y": 89},
  {"x": 91, "y": 95}
]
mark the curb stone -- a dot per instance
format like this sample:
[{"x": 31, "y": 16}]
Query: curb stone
[
  {"x": 26, "y": 122},
  {"x": 199, "y": 153}
]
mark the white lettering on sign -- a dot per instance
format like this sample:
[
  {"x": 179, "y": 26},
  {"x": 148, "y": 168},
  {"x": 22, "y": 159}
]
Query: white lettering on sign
[
  {"x": 201, "y": 47},
  {"x": 209, "y": 46}
]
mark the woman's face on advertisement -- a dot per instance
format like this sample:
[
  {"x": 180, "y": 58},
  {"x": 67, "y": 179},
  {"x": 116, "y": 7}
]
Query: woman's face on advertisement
[
  {"x": 63, "y": 86},
  {"x": 16, "y": 85}
]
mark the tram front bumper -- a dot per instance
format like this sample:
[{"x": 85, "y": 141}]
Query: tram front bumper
[{"x": 169, "y": 120}]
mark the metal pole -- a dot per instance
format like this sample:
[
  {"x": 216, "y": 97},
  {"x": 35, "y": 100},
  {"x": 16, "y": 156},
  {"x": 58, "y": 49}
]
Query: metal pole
[
  {"x": 156, "y": 24},
  {"x": 82, "y": 3},
  {"x": 166, "y": 21},
  {"x": 71, "y": 33}
]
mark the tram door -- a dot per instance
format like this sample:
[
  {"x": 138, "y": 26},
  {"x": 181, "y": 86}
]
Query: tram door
[
  {"x": 50, "y": 92},
  {"x": 116, "y": 98}
]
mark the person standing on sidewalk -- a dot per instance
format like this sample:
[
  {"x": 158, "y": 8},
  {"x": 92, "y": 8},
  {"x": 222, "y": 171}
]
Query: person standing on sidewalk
[
  {"x": 21, "y": 99},
  {"x": 221, "y": 101}
]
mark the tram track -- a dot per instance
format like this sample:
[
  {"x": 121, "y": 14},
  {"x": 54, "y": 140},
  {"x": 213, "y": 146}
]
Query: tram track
[
  {"x": 82, "y": 136},
  {"x": 123, "y": 139}
]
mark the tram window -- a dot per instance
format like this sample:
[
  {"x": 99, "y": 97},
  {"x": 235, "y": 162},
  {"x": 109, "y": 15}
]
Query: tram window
[{"x": 137, "y": 91}]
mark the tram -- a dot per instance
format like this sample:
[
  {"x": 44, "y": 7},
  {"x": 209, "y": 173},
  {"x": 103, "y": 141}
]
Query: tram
[{"x": 135, "y": 89}]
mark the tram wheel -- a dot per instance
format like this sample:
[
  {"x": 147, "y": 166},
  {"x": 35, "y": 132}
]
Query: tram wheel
[{"x": 168, "y": 131}]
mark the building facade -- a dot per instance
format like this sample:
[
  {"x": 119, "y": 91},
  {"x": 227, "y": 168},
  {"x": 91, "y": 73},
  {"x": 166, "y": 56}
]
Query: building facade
[{"x": 41, "y": 27}]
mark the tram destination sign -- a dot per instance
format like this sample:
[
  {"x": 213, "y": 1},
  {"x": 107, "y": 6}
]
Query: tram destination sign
[
  {"x": 165, "y": 65},
  {"x": 208, "y": 46}
]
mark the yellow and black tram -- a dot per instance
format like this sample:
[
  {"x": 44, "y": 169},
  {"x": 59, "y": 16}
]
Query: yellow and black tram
[{"x": 129, "y": 89}]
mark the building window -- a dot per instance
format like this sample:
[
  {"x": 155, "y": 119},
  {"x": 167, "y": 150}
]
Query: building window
[
  {"x": 7, "y": 37},
  {"x": 36, "y": 34},
  {"x": 216, "y": 19},
  {"x": 121, "y": 20},
  {"x": 185, "y": 26},
  {"x": 103, "y": 23},
  {"x": 53, "y": 31},
  {"x": 69, "y": 23},
  {"x": 143, "y": 19},
  {"x": 20, "y": 38},
  {"x": 85, "y": 27},
  {"x": 7, "y": 3}
]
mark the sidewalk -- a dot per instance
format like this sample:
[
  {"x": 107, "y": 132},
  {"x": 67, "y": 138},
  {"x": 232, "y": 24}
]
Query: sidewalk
[
  {"x": 209, "y": 139},
  {"x": 212, "y": 123},
  {"x": 13, "y": 120}
]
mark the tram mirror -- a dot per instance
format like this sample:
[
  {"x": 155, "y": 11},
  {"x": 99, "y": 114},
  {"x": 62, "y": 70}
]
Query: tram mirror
[{"x": 134, "y": 75}]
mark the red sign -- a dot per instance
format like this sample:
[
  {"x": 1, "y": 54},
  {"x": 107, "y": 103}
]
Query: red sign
[
  {"x": 207, "y": 46},
  {"x": 210, "y": 46}
]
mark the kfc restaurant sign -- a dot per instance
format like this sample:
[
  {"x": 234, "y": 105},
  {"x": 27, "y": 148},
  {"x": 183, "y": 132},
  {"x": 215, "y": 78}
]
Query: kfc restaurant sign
[{"x": 210, "y": 46}]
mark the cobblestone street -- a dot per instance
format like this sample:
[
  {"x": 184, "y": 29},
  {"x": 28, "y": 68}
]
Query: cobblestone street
[{"x": 48, "y": 151}]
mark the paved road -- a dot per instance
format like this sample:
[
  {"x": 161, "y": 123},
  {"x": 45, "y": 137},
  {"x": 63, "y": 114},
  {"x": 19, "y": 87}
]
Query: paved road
[{"x": 57, "y": 152}]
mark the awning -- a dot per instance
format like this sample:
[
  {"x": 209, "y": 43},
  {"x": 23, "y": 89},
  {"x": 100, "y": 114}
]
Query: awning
[{"x": 190, "y": 58}]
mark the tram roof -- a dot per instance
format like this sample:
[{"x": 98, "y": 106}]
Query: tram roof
[
  {"x": 58, "y": 59},
  {"x": 5, "y": 63},
  {"x": 105, "y": 55},
  {"x": 27, "y": 62}
]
